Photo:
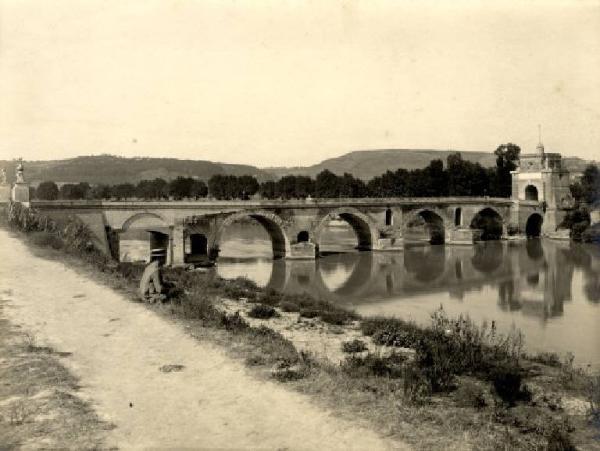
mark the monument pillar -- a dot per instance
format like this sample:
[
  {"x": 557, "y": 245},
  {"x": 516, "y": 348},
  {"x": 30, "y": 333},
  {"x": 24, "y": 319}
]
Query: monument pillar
[{"x": 20, "y": 190}]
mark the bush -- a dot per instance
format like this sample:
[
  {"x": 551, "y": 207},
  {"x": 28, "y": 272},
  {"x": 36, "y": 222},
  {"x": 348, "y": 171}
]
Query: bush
[
  {"x": 309, "y": 313},
  {"x": 507, "y": 383},
  {"x": 337, "y": 318},
  {"x": 288, "y": 306},
  {"x": 558, "y": 437},
  {"x": 374, "y": 365},
  {"x": 233, "y": 323},
  {"x": 470, "y": 394},
  {"x": 354, "y": 346},
  {"x": 547, "y": 358},
  {"x": 262, "y": 311},
  {"x": 392, "y": 331}
]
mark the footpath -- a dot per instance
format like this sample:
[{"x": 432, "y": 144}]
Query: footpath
[{"x": 159, "y": 386}]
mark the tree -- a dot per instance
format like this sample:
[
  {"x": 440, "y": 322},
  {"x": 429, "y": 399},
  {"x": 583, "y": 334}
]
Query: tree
[
  {"x": 326, "y": 184},
  {"x": 588, "y": 188},
  {"x": 181, "y": 187},
  {"x": 70, "y": 191},
  {"x": 100, "y": 192},
  {"x": 47, "y": 191},
  {"x": 123, "y": 191},
  {"x": 198, "y": 189},
  {"x": 268, "y": 189},
  {"x": 507, "y": 157}
]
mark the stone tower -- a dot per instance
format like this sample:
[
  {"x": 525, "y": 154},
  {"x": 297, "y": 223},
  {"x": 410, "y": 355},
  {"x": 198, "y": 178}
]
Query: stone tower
[{"x": 540, "y": 179}]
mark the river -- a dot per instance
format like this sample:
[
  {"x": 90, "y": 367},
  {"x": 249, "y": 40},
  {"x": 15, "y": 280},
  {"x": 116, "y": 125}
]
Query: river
[{"x": 550, "y": 290}]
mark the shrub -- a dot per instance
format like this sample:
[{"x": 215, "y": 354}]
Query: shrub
[
  {"x": 262, "y": 311},
  {"x": 354, "y": 346},
  {"x": 392, "y": 331},
  {"x": 233, "y": 323},
  {"x": 288, "y": 306},
  {"x": 271, "y": 297},
  {"x": 558, "y": 437},
  {"x": 274, "y": 346},
  {"x": 338, "y": 318},
  {"x": 547, "y": 358},
  {"x": 470, "y": 394},
  {"x": 309, "y": 313},
  {"x": 507, "y": 383},
  {"x": 593, "y": 395},
  {"x": 374, "y": 365}
]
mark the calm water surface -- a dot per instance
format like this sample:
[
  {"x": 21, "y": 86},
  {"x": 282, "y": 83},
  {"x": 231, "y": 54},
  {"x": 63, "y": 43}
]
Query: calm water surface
[{"x": 549, "y": 290}]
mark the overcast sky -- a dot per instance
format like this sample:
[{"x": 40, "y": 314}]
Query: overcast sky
[{"x": 293, "y": 83}]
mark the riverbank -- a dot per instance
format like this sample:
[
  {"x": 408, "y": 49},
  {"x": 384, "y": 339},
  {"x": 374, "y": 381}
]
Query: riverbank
[
  {"x": 426, "y": 397},
  {"x": 146, "y": 374}
]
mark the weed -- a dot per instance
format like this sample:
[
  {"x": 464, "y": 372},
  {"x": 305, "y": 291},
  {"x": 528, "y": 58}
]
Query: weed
[
  {"x": 309, "y": 313},
  {"x": 547, "y": 358},
  {"x": 262, "y": 311},
  {"x": 354, "y": 346},
  {"x": 288, "y": 306},
  {"x": 470, "y": 394},
  {"x": 374, "y": 365},
  {"x": 507, "y": 383},
  {"x": 593, "y": 395}
]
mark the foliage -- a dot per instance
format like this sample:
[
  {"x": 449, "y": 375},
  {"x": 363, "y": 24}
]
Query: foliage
[
  {"x": 577, "y": 220},
  {"x": 74, "y": 191},
  {"x": 470, "y": 394},
  {"x": 507, "y": 382},
  {"x": 47, "y": 190},
  {"x": 588, "y": 188},
  {"x": 546, "y": 358},
  {"x": 593, "y": 395},
  {"x": 374, "y": 365},
  {"x": 227, "y": 187},
  {"x": 355, "y": 345},
  {"x": 507, "y": 156},
  {"x": 262, "y": 311}
]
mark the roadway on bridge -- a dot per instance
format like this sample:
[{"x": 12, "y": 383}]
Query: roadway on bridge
[{"x": 117, "y": 349}]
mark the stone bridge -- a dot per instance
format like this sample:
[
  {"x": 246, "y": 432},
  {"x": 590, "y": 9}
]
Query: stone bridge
[{"x": 191, "y": 231}]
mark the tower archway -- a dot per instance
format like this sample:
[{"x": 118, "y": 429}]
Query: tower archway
[{"x": 533, "y": 226}]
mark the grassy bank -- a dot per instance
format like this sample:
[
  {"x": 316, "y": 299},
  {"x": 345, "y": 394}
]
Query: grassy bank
[{"x": 463, "y": 386}]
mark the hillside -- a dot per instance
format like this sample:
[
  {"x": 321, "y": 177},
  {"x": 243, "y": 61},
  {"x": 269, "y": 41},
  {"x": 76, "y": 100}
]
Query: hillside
[
  {"x": 109, "y": 169},
  {"x": 367, "y": 164}
]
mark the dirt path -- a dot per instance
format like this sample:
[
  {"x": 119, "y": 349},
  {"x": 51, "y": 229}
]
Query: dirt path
[{"x": 118, "y": 348}]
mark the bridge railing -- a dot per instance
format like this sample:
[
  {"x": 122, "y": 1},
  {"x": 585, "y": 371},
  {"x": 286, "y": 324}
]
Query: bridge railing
[{"x": 310, "y": 202}]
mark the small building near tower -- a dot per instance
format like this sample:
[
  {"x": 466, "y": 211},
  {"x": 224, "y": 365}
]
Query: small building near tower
[{"x": 540, "y": 179}]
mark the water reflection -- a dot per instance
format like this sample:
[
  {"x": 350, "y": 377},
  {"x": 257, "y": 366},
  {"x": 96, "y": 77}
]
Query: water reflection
[{"x": 551, "y": 290}]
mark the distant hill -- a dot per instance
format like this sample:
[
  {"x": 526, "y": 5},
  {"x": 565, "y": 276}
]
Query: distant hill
[
  {"x": 367, "y": 164},
  {"x": 109, "y": 169}
]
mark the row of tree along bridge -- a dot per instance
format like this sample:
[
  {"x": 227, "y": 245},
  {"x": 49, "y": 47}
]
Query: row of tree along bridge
[{"x": 191, "y": 232}]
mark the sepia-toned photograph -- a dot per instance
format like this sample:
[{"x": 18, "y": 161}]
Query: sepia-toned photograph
[{"x": 300, "y": 225}]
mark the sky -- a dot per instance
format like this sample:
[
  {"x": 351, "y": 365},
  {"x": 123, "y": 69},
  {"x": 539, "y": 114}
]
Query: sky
[{"x": 290, "y": 83}]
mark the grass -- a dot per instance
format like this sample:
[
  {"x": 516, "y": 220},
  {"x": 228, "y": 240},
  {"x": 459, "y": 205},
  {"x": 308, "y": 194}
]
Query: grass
[{"x": 466, "y": 386}]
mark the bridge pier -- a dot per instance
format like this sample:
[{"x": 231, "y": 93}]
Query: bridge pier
[{"x": 176, "y": 253}]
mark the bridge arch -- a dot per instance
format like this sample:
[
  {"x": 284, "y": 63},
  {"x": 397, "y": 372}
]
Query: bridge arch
[
  {"x": 433, "y": 219},
  {"x": 490, "y": 221},
  {"x": 145, "y": 220},
  {"x": 271, "y": 222},
  {"x": 364, "y": 227}
]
